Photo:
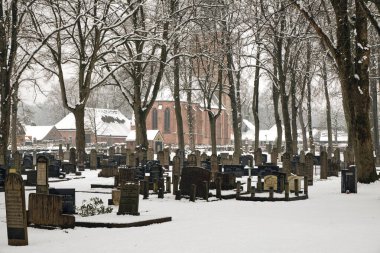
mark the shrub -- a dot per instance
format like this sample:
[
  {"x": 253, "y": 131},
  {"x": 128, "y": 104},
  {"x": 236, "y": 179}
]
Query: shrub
[{"x": 93, "y": 207}]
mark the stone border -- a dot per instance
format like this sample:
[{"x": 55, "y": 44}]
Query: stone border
[
  {"x": 122, "y": 225},
  {"x": 262, "y": 199}
]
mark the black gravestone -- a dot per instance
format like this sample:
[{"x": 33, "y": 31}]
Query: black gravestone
[
  {"x": 194, "y": 175},
  {"x": 68, "y": 199},
  {"x": 129, "y": 199},
  {"x": 349, "y": 180}
]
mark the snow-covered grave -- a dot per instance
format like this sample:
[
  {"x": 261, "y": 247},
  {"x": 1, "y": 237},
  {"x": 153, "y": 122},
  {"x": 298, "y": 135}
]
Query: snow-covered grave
[{"x": 328, "y": 221}]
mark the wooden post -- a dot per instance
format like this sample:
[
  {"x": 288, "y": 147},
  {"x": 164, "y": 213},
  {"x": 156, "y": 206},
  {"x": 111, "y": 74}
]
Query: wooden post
[
  {"x": 271, "y": 192},
  {"x": 305, "y": 186},
  {"x": 253, "y": 191},
  {"x": 296, "y": 187},
  {"x": 249, "y": 183},
  {"x": 146, "y": 189},
  {"x": 168, "y": 184},
  {"x": 193, "y": 192},
  {"x": 218, "y": 185},
  {"x": 238, "y": 184},
  {"x": 286, "y": 190},
  {"x": 205, "y": 185},
  {"x": 175, "y": 184}
]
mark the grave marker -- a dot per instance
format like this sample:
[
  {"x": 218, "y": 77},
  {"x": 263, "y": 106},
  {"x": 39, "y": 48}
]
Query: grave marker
[
  {"x": 42, "y": 175},
  {"x": 93, "y": 159},
  {"x": 176, "y": 166},
  {"x": 258, "y": 157},
  {"x": 286, "y": 163},
  {"x": 192, "y": 160},
  {"x": 194, "y": 175},
  {"x": 270, "y": 182},
  {"x": 324, "y": 164},
  {"x": 15, "y": 210},
  {"x": 309, "y": 167},
  {"x": 72, "y": 158},
  {"x": 129, "y": 199}
]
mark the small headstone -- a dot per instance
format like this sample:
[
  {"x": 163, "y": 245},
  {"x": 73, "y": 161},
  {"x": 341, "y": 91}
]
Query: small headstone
[
  {"x": 72, "y": 158},
  {"x": 93, "y": 159},
  {"x": 302, "y": 157},
  {"x": 204, "y": 157},
  {"x": 129, "y": 199},
  {"x": 60, "y": 152},
  {"x": 166, "y": 158},
  {"x": 194, "y": 175},
  {"x": 309, "y": 167},
  {"x": 292, "y": 182},
  {"x": 176, "y": 166},
  {"x": 15, "y": 210},
  {"x": 42, "y": 175},
  {"x": 270, "y": 182},
  {"x": 111, "y": 152}
]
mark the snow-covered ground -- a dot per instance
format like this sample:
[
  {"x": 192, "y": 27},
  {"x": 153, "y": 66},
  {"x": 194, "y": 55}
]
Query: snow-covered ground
[{"x": 327, "y": 222}]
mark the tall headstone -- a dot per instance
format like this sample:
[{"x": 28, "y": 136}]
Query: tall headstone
[
  {"x": 204, "y": 157},
  {"x": 131, "y": 159},
  {"x": 176, "y": 166},
  {"x": 191, "y": 160},
  {"x": 258, "y": 157},
  {"x": 302, "y": 157},
  {"x": 111, "y": 151},
  {"x": 286, "y": 163},
  {"x": 72, "y": 158},
  {"x": 93, "y": 159},
  {"x": 60, "y": 152},
  {"x": 198, "y": 157},
  {"x": 15, "y": 210},
  {"x": 309, "y": 167},
  {"x": 129, "y": 199},
  {"x": 160, "y": 157},
  {"x": 42, "y": 175},
  {"x": 323, "y": 172},
  {"x": 166, "y": 158},
  {"x": 150, "y": 154},
  {"x": 274, "y": 156}
]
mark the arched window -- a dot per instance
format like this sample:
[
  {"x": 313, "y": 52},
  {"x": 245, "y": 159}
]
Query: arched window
[
  {"x": 167, "y": 120},
  {"x": 154, "y": 119}
]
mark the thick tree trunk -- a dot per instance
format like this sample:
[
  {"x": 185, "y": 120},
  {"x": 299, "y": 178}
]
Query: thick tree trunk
[
  {"x": 190, "y": 117},
  {"x": 309, "y": 118},
  {"x": 328, "y": 110},
  {"x": 255, "y": 102},
  {"x": 140, "y": 123},
  {"x": 4, "y": 121},
  {"x": 212, "y": 121},
  {"x": 80, "y": 141},
  {"x": 375, "y": 117},
  {"x": 177, "y": 102}
]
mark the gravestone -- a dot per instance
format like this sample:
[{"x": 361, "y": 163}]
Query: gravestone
[
  {"x": 131, "y": 162},
  {"x": 286, "y": 163},
  {"x": 160, "y": 157},
  {"x": 129, "y": 199},
  {"x": 274, "y": 156},
  {"x": 292, "y": 180},
  {"x": 66, "y": 156},
  {"x": 309, "y": 167},
  {"x": 323, "y": 171},
  {"x": 15, "y": 210},
  {"x": 258, "y": 157},
  {"x": 150, "y": 154},
  {"x": 270, "y": 182},
  {"x": 72, "y": 158},
  {"x": 176, "y": 166},
  {"x": 192, "y": 160},
  {"x": 46, "y": 210},
  {"x": 93, "y": 159},
  {"x": 196, "y": 176},
  {"x": 68, "y": 199},
  {"x": 204, "y": 157},
  {"x": 349, "y": 180},
  {"x": 111, "y": 152},
  {"x": 60, "y": 152},
  {"x": 127, "y": 175},
  {"x": 42, "y": 175},
  {"x": 166, "y": 158},
  {"x": 198, "y": 158}
]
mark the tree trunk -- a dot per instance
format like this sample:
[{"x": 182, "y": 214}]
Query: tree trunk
[
  {"x": 303, "y": 129},
  {"x": 328, "y": 110},
  {"x": 14, "y": 118},
  {"x": 177, "y": 102},
  {"x": 212, "y": 121},
  {"x": 375, "y": 117},
  {"x": 190, "y": 118},
  {"x": 255, "y": 102},
  {"x": 276, "y": 98},
  {"x": 294, "y": 113},
  {"x": 80, "y": 141},
  {"x": 364, "y": 144},
  {"x": 309, "y": 118}
]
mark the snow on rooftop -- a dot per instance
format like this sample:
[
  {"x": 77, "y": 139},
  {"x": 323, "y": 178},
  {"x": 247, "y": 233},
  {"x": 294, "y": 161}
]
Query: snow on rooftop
[
  {"x": 37, "y": 132},
  {"x": 151, "y": 134},
  {"x": 107, "y": 122}
]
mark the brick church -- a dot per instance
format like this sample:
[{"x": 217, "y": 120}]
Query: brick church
[{"x": 162, "y": 117}]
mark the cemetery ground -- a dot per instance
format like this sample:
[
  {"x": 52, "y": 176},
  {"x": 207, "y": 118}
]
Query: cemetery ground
[{"x": 328, "y": 221}]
